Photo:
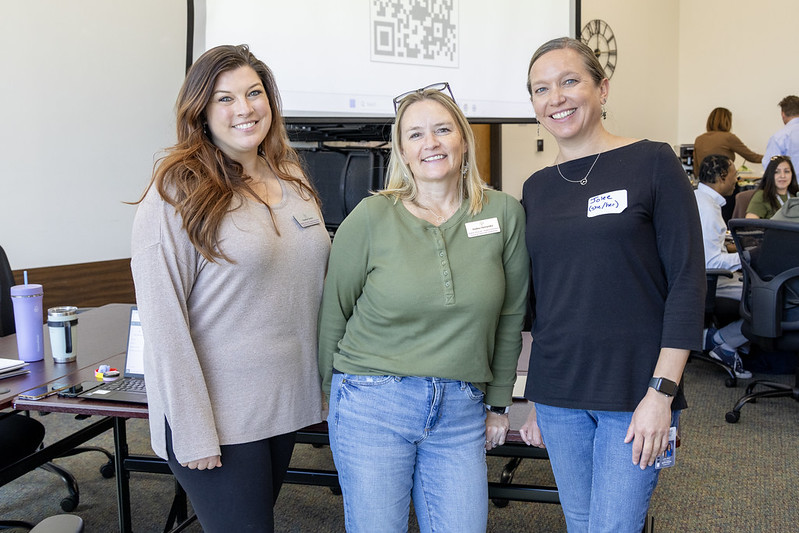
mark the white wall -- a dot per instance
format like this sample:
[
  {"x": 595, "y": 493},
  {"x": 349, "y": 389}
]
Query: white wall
[
  {"x": 741, "y": 55},
  {"x": 678, "y": 59},
  {"x": 644, "y": 89},
  {"x": 88, "y": 90}
]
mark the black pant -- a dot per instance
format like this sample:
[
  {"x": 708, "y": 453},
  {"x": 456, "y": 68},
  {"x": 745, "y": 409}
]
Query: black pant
[{"x": 240, "y": 495}]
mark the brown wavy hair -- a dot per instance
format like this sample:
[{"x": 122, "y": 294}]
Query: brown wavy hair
[{"x": 195, "y": 176}]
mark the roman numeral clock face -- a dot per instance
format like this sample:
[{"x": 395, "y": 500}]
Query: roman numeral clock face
[{"x": 599, "y": 37}]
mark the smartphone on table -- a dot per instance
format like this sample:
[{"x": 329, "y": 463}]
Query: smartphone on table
[
  {"x": 44, "y": 391},
  {"x": 74, "y": 390}
]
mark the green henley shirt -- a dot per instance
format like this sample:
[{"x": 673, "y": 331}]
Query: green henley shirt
[{"x": 406, "y": 298}]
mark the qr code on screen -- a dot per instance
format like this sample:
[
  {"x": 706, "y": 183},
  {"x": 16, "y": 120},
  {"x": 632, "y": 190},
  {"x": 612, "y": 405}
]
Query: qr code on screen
[{"x": 420, "y": 32}]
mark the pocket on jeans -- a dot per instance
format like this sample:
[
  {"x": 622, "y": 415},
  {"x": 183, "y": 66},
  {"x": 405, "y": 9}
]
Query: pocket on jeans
[
  {"x": 474, "y": 393},
  {"x": 366, "y": 381}
]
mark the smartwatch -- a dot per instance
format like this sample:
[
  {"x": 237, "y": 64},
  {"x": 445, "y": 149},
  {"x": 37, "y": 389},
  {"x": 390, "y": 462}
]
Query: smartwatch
[
  {"x": 498, "y": 410},
  {"x": 664, "y": 386}
]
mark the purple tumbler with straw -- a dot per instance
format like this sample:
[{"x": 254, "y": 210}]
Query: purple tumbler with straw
[{"x": 28, "y": 320}]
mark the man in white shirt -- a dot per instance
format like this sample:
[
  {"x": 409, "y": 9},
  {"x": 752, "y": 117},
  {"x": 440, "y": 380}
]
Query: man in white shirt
[
  {"x": 786, "y": 140},
  {"x": 717, "y": 178}
]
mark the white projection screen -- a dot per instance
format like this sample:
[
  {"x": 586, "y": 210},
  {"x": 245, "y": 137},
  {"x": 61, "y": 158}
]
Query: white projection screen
[{"x": 347, "y": 59}]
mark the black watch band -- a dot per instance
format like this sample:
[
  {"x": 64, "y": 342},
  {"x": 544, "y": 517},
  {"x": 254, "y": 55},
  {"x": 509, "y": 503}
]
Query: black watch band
[
  {"x": 664, "y": 386},
  {"x": 498, "y": 410}
]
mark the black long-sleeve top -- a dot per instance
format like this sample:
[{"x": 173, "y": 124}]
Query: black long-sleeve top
[{"x": 617, "y": 274}]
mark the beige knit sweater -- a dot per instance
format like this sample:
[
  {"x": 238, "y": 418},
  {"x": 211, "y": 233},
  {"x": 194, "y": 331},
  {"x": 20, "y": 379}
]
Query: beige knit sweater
[{"x": 230, "y": 348}]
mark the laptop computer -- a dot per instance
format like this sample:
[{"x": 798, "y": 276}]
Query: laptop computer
[{"x": 129, "y": 387}]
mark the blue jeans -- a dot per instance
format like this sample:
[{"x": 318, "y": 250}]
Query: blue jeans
[
  {"x": 397, "y": 437},
  {"x": 600, "y": 488}
]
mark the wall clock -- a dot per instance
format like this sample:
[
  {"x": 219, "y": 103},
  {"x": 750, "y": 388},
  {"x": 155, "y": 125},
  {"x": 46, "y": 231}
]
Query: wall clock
[{"x": 599, "y": 37}]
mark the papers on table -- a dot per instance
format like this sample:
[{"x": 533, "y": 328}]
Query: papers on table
[{"x": 12, "y": 367}]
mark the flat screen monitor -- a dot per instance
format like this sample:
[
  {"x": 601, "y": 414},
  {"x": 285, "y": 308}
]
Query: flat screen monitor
[{"x": 348, "y": 59}]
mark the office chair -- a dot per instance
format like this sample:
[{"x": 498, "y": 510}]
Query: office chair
[
  {"x": 742, "y": 200},
  {"x": 62, "y": 523},
  {"x": 6, "y": 305},
  {"x": 29, "y": 431},
  {"x": 769, "y": 251},
  {"x": 715, "y": 319},
  {"x": 343, "y": 177}
]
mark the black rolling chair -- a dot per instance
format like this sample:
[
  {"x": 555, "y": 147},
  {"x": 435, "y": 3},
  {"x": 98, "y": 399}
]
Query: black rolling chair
[
  {"x": 30, "y": 432},
  {"x": 6, "y": 306},
  {"x": 769, "y": 251},
  {"x": 714, "y": 318}
]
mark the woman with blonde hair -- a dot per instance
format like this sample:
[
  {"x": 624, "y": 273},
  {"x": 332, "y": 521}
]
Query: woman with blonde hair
[{"x": 420, "y": 329}]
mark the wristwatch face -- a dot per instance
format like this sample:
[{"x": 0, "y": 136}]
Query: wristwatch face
[{"x": 666, "y": 386}]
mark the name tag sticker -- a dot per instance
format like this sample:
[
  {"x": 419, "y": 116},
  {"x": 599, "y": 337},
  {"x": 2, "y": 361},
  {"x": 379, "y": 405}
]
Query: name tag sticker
[
  {"x": 609, "y": 203},
  {"x": 482, "y": 227},
  {"x": 307, "y": 220}
]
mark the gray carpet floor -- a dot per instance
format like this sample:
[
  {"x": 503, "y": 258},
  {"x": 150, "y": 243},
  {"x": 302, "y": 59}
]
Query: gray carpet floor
[{"x": 729, "y": 477}]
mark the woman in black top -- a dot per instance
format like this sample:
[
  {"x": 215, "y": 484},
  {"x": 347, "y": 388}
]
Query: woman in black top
[{"x": 618, "y": 296}]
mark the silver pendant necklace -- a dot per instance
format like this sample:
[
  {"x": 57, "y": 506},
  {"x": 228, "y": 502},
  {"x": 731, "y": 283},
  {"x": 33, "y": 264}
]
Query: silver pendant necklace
[
  {"x": 585, "y": 179},
  {"x": 439, "y": 218}
]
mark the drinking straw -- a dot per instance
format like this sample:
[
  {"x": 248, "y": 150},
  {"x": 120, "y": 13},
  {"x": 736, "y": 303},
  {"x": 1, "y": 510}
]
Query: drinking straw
[{"x": 25, "y": 276}]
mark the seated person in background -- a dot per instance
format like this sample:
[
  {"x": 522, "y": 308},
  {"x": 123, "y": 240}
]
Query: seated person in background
[
  {"x": 778, "y": 184},
  {"x": 717, "y": 178},
  {"x": 786, "y": 140},
  {"x": 718, "y": 139}
]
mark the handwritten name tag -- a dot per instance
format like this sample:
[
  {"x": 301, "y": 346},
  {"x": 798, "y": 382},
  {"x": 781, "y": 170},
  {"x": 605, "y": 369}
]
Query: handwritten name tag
[
  {"x": 609, "y": 203},
  {"x": 482, "y": 227}
]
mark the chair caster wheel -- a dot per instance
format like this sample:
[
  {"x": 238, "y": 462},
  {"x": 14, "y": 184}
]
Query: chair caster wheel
[
  {"x": 732, "y": 416},
  {"x": 730, "y": 382},
  {"x": 500, "y": 503},
  {"x": 69, "y": 504},
  {"x": 107, "y": 470}
]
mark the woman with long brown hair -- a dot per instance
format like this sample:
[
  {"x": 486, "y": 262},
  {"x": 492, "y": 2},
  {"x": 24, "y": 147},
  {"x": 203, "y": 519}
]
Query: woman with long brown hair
[
  {"x": 777, "y": 185},
  {"x": 228, "y": 257}
]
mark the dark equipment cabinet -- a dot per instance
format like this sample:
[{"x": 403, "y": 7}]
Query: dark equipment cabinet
[
  {"x": 344, "y": 177},
  {"x": 346, "y": 161}
]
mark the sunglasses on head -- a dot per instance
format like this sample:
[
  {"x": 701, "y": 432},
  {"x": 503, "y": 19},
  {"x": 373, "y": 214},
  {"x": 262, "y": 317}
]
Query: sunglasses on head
[{"x": 441, "y": 87}]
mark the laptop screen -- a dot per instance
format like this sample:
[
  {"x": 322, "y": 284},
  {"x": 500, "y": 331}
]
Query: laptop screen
[{"x": 134, "y": 360}]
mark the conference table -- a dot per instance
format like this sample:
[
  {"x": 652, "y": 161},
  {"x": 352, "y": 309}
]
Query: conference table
[
  {"x": 104, "y": 331},
  {"x": 102, "y": 335}
]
